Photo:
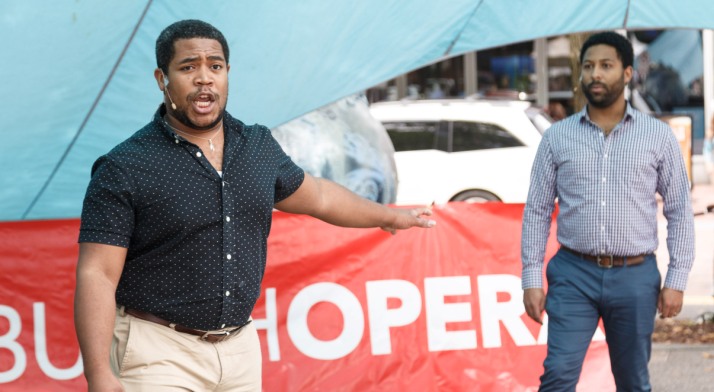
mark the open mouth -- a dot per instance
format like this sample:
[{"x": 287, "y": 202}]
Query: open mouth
[{"x": 203, "y": 102}]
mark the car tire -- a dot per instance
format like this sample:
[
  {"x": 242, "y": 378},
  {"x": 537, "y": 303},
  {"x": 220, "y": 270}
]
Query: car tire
[{"x": 475, "y": 196}]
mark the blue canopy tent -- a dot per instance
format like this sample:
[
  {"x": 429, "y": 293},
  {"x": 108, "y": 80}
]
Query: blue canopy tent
[{"x": 78, "y": 75}]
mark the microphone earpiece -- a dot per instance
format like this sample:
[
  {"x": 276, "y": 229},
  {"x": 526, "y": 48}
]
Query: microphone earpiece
[{"x": 166, "y": 90}]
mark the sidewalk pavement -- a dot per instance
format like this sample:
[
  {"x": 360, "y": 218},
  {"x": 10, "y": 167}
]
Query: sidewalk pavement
[
  {"x": 699, "y": 296},
  {"x": 682, "y": 367},
  {"x": 689, "y": 367}
]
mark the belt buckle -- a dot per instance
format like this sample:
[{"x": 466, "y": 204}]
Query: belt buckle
[
  {"x": 221, "y": 335},
  {"x": 600, "y": 258}
]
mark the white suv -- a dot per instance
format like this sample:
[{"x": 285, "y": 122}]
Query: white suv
[{"x": 462, "y": 150}]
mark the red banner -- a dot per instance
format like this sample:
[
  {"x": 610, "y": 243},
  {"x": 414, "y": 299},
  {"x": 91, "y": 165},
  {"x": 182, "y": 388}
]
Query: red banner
[{"x": 341, "y": 310}]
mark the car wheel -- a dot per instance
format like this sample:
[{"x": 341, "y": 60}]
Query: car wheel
[{"x": 475, "y": 196}]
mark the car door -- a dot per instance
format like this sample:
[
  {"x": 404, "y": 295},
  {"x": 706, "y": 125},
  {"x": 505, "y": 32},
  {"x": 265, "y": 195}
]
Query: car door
[
  {"x": 420, "y": 155},
  {"x": 489, "y": 159}
]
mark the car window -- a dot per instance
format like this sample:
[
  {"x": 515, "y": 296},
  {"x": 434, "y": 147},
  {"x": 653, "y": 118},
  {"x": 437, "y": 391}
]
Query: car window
[
  {"x": 469, "y": 136},
  {"x": 417, "y": 135}
]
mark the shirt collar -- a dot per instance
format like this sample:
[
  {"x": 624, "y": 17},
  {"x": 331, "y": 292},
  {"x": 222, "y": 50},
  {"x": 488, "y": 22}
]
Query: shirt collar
[
  {"x": 583, "y": 115},
  {"x": 161, "y": 124},
  {"x": 229, "y": 124}
]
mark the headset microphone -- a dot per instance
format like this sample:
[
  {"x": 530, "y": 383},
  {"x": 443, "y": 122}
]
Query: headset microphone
[
  {"x": 173, "y": 105},
  {"x": 166, "y": 90}
]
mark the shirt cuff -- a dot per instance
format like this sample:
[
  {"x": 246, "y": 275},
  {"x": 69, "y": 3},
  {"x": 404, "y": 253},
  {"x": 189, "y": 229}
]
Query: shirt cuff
[
  {"x": 676, "y": 279},
  {"x": 532, "y": 276},
  {"x": 103, "y": 237}
]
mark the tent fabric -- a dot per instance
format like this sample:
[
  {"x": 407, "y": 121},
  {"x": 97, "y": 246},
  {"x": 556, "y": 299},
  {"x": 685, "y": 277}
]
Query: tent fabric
[{"x": 78, "y": 75}]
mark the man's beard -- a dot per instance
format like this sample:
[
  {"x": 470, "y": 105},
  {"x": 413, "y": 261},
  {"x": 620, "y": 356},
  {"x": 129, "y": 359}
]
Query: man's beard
[
  {"x": 181, "y": 116},
  {"x": 608, "y": 97}
]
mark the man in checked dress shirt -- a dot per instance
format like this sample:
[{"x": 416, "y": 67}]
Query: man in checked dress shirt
[{"x": 605, "y": 166}]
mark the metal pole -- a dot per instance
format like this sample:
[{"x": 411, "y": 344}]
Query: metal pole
[
  {"x": 541, "y": 55},
  {"x": 401, "y": 86},
  {"x": 708, "y": 79},
  {"x": 470, "y": 74},
  {"x": 628, "y": 92}
]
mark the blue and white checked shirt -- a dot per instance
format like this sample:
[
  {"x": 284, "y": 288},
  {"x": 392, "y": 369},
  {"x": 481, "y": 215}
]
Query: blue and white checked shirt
[{"x": 606, "y": 189}]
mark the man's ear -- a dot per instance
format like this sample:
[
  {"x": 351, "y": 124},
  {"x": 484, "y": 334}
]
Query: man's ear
[
  {"x": 159, "y": 76},
  {"x": 628, "y": 74}
]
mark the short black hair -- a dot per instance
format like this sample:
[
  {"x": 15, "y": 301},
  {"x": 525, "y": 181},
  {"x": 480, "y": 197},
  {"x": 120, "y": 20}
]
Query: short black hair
[
  {"x": 622, "y": 45},
  {"x": 185, "y": 29}
]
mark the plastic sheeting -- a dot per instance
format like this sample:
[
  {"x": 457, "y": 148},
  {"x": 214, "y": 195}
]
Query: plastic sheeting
[
  {"x": 78, "y": 74},
  {"x": 344, "y": 143}
]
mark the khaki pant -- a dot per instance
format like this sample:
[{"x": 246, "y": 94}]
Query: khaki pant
[{"x": 146, "y": 356}]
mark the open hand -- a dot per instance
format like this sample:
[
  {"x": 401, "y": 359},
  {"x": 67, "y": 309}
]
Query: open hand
[{"x": 408, "y": 218}]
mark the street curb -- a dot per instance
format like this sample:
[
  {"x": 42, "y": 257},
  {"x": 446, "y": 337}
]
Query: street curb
[{"x": 682, "y": 347}]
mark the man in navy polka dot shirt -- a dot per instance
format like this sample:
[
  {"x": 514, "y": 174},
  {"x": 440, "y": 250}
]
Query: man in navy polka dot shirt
[{"x": 174, "y": 232}]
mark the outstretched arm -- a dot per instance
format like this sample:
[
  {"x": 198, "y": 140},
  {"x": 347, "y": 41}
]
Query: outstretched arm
[{"x": 334, "y": 204}]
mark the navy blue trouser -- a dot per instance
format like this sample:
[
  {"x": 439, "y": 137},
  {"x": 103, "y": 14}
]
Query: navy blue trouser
[{"x": 579, "y": 294}]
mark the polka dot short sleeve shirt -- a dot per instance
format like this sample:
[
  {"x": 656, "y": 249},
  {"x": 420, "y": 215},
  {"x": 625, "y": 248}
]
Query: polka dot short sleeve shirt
[{"x": 196, "y": 240}]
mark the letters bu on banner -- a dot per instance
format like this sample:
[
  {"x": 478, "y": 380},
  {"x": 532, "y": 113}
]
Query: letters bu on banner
[{"x": 341, "y": 309}]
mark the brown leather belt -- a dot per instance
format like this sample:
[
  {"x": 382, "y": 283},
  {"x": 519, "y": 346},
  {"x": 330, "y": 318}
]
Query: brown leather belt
[
  {"x": 209, "y": 336},
  {"x": 608, "y": 261}
]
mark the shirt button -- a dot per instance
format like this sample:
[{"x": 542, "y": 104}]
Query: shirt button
[
  {"x": 603, "y": 179},
  {"x": 603, "y": 202},
  {"x": 228, "y": 293},
  {"x": 198, "y": 154},
  {"x": 228, "y": 219},
  {"x": 176, "y": 141},
  {"x": 223, "y": 325},
  {"x": 228, "y": 256},
  {"x": 603, "y": 228},
  {"x": 605, "y": 155}
]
